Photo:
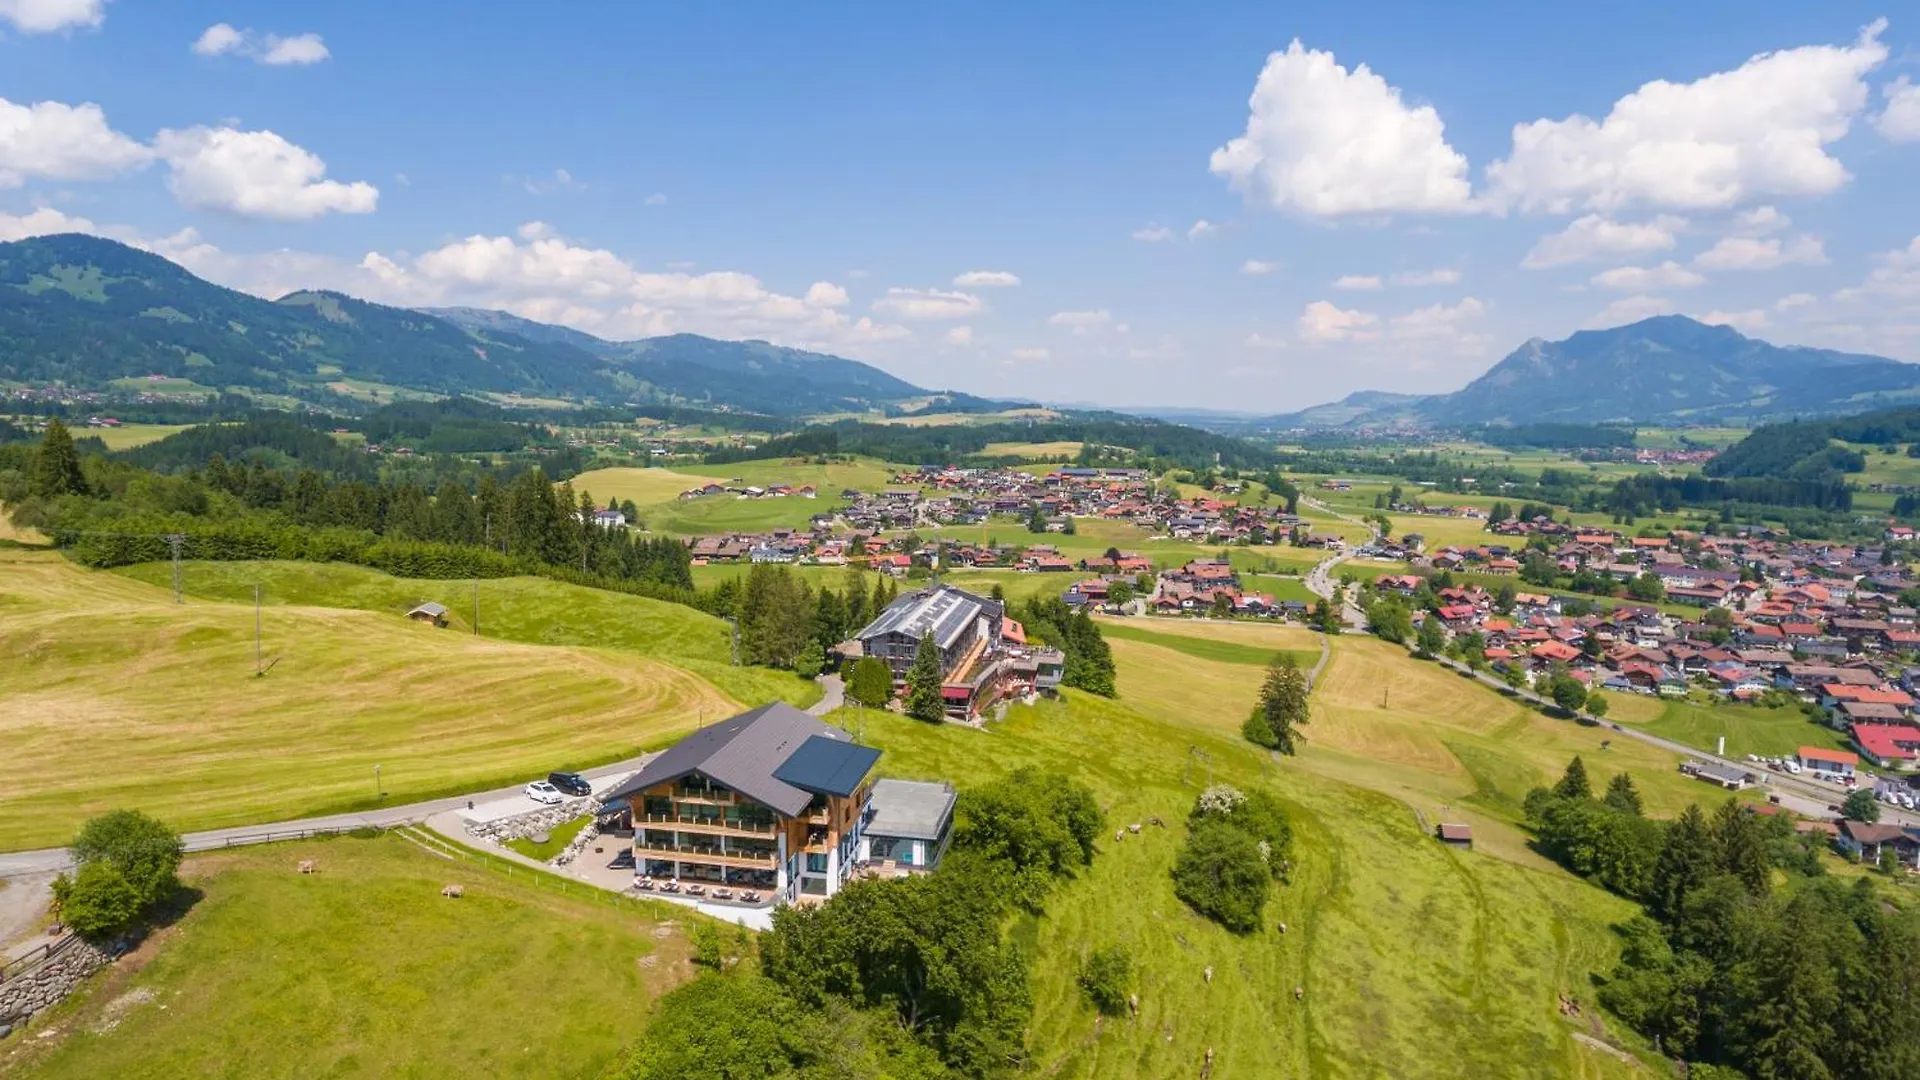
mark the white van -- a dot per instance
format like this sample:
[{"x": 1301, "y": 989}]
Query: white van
[{"x": 1793, "y": 766}]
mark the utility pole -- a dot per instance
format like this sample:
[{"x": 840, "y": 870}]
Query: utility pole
[
  {"x": 476, "y": 607},
  {"x": 733, "y": 626},
  {"x": 257, "y": 670},
  {"x": 378, "y": 790},
  {"x": 176, "y": 541}
]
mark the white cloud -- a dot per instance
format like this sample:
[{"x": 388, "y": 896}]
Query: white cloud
[
  {"x": 656, "y": 199},
  {"x": 535, "y": 230},
  {"x": 47, "y": 16},
  {"x": 1030, "y": 354},
  {"x": 1358, "y": 282},
  {"x": 561, "y": 180},
  {"x": 51, "y": 140},
  {"x": 1898, "y": 274},
  {"x": 1759, "y": 221},
  {"x": 1327, "y": 142},
  {"x": 986, "y": 279},
  {"x": 1153, "y": 234},
  {"x": 256, "y": 174},
  {"x": 1795, "y": 300},
  {"x": 1416, "y": 278},
  {"x": 1595, "y": 237},
  {"x": 929, "y": 304},
  {"x": 1761, "y": 253},
  {"x": 217, "y": 39},
  {"x": 45, "y": 221},
  {"x": 1640, "y": 279},
  {"x": 1257, "y": 267},
  {"x": 553, "y": 280},
  {"x": 1322, "y": 321},
  {"x": 825, "y": 294},
  {"x": 1257, "y": 340},
  {"x": 222, "y": 39},
  {"x": 299, "y": 49},
  {"x": 1202, "y": 228},
  {"x": 960, "y": 335},
  {"x": 1900, "y": 121},
  {"x": 1082, "y": 322},
  {"x": 1761, "y": 129},
  {"x": 1632, "y": 309},
  {"x": 1436, "y": 321},
  {"x": 1751, "y": 320}
]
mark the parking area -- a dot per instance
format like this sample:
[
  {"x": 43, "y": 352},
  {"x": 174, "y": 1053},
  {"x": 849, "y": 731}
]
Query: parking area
[{"x": 517, "y": 804}]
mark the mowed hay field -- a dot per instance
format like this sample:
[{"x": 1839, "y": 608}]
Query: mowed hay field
[
  {"x": 363, "y": 970},
  {"x": 112, "y": 696},
  {"x": 525, "y": 609},
  {"x": 1415, "y": 960}
]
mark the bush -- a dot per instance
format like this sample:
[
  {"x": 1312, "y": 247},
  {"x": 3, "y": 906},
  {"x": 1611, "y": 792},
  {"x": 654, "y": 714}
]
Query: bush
[
  {"x": 98, "y": 901},
  {"x": 1107, "y": 979},
  {"x": 145, "y": 852},
  {"x": 870, "y": 683},
  {"x": 811, "y": 661},
  {"x": 1220, "y": 874},
  {"x": 1042, "y": 825}
]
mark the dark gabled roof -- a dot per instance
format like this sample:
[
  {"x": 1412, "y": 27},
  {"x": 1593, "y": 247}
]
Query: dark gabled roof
[
  {"x": 743, "y": 753},
  {"x": 827, "y": 766}
]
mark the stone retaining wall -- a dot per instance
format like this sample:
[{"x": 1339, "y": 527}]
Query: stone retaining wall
[
  {"x": 47, "y": 984},
  {"x": 545, "y": 819}
]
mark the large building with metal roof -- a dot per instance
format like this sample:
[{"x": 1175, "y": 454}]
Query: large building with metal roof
[{"x": 771, "y": 801}]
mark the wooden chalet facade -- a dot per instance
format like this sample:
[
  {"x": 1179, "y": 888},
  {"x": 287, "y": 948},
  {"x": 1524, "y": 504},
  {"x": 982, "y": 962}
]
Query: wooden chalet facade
[{"x": 771, "y": 800}]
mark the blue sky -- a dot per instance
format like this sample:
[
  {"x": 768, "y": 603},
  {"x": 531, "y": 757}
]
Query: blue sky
[{"x": 1125, "y": 204}]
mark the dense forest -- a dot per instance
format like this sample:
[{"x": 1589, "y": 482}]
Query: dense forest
[
  {"x": 1748, "y": 957},
  {"x": 1152, "y": 443}
]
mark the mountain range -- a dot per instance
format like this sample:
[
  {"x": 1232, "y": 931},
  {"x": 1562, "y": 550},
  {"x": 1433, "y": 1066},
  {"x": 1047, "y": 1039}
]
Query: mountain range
[
  {"x": 1667, "y": 369},
  {"x": 87, "y": 312}
]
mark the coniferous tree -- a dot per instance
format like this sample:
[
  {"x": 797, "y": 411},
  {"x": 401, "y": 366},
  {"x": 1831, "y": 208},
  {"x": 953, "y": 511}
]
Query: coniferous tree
[
  {"x": 1623, "y": 796},
  {"x": 1282, "y": 707},
  {"x": 1574, "y": 783},
  {"x": 1686, "y": 861},
  {"x": 924, "y": 680},
  {"x": 56, "y": 466},
  {"x": 1743, "y": 851}
]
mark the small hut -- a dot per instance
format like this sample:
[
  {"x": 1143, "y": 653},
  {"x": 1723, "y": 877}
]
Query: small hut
[
  {"x": 429, "y": 612},
  {"x": 1455, "y": 835}
]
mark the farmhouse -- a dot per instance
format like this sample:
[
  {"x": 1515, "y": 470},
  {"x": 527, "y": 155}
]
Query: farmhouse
[
  {"x": 771, "y": 799},
  {"x": 1865, "y": 840}
]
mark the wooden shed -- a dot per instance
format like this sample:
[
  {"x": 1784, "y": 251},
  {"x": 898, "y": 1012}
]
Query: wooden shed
[
  {"x": 1457, "y": 835},
  {"x": 429, "y": 612}
]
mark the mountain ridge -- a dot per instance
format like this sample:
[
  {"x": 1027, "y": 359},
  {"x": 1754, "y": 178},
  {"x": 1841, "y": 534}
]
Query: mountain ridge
[
  {"x": 1665, "y": 369},
  {"x": 86, "y": 311}
]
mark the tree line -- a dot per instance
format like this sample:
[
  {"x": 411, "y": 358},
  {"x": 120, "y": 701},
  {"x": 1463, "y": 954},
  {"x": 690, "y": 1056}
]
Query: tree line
[{"x": 1748, "y": 957}]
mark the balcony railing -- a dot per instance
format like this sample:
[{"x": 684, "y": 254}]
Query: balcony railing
[
  {"x": 755, "y": 828},
  {"x": 702, "y": 852}
]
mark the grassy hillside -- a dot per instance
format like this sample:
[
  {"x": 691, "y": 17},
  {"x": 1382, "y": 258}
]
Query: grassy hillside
[
  {"x": 526, "y": 609},
  {"x": 363, "y": 970},
  {"x": 1414, "y": 959},
  {"x": 114, "y": 696}
]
